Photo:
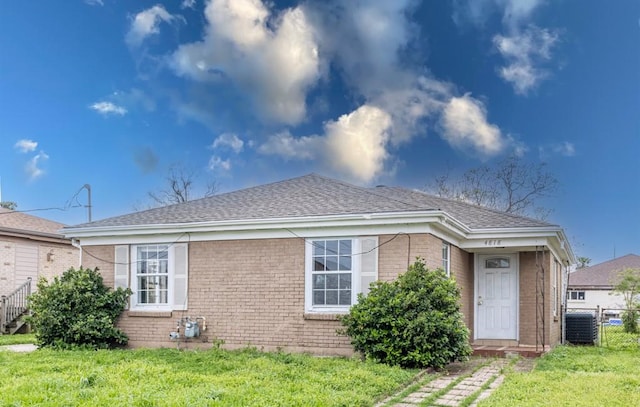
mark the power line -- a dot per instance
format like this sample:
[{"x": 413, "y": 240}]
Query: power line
[
  {"x": 70, "y": 203},
  {"x": 128, "y": 263}
]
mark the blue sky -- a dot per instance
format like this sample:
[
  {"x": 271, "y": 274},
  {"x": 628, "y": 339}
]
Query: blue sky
[{"x": 112, "y": 93}]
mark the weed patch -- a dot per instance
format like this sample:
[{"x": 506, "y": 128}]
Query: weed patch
[
  {"x": 574, "y": 376},
  {"x": 167, "y": 377}
]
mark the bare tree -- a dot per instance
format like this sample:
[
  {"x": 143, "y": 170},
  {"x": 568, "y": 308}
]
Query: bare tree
[
  {"x": 513, "y": 186},
  {"x": 181, "y": 187}
]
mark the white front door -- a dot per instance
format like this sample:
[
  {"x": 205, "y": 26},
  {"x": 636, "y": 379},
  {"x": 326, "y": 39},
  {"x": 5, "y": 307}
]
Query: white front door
[{"x": 497, "y": 297}]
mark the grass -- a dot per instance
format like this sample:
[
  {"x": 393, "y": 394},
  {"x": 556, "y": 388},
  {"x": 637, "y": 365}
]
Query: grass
[
  {"x": 17, "y": 339},
  {"x": 574, "y": 376},
  {"x": 616, "y": 338},
  {"x": 168, "y": 377}
]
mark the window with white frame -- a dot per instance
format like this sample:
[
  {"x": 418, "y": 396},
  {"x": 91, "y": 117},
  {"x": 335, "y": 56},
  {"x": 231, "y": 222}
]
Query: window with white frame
[
  {"x": 336, "y": 270},
  {"x": 152, "y": 275},
  {"x": 446, "y": 258},
  {"x": 554, "y": 288},
  {"x": 158, "y": 275},
  {"x": 577, "y": 295}
]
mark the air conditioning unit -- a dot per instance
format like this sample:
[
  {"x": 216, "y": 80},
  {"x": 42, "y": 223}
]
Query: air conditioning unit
[{"x": 581, "y": 328}]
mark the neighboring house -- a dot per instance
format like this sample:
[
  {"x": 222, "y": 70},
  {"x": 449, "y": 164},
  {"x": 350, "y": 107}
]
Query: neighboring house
[
  {"x": 32, "y": 247},
  {"x": 273, "y": 266},
  {"x": 592, "y": 287}
]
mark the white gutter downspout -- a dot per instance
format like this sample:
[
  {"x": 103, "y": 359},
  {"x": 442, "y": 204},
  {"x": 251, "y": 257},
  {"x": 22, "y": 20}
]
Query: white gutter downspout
[{"x": 76, "y": 243}]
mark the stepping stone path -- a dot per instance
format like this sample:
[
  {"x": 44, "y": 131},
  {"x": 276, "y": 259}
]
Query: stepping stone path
[{"x": 470, "y": 384}]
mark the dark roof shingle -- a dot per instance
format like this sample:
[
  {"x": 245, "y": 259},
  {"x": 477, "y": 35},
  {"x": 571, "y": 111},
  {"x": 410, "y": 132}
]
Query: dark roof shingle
[{"x": 313, "y": 195}]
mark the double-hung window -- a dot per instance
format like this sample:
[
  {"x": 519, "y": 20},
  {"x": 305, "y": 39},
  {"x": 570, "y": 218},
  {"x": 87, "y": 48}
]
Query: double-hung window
[
  {"x": 156, "y": 273},
  {"x": 332, "y": 272},
  {"x": 152, "y": 275},
  {"x": 336, "y": 270}
]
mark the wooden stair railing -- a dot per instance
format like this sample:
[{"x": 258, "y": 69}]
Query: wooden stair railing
[{"x": 13, "y": 306}]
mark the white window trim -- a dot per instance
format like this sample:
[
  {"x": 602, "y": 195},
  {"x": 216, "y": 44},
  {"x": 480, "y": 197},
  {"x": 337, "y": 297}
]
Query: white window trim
[
  {"x": 584, "y": 294},
  {"x": 447, "y": 269},
  {"x": 554, "y": 288},
  {"x": 356, "y": 274},
  {"x": 135, "y": 306}
]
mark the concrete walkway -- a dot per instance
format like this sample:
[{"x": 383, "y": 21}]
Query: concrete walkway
[
  {"x": 462, "y": 381},
  {"x": 27, "y": 347}
]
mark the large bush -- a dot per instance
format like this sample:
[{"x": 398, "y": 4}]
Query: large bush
[
  {"x": 77, "y": 309},
  {"x": 414, "y": 321}
]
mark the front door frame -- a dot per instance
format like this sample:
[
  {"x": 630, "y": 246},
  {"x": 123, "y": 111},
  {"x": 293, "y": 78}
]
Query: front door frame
[{"x": 477, "y": 261}]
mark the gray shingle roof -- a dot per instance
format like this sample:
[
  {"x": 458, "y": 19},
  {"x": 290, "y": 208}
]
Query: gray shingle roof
[
  {"x": 473, "y": 216},
  {"x": 313, "y": 195},
  {"x": 604, "y": 274}
]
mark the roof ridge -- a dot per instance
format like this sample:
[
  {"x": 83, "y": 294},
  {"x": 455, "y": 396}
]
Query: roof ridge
[{"x": 481, "y": 207}]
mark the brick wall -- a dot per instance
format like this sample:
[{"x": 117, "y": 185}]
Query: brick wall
[
  {"x": 462, "y": 270},
  {"x": 528, "y": 293},
  {"x": 251, "y": 292},
  {"x": 396, "y": 253}
]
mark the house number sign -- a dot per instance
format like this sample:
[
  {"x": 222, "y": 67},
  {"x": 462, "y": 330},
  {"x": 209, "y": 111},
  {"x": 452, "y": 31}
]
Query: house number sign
[{"x": 492, "y": 242}]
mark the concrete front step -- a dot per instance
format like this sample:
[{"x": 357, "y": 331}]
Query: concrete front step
[{"x": 509, "y": 351}]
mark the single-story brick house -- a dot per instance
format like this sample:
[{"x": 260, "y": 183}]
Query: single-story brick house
[
  {"x": 592, "y": 287},
  {"x": 272, "y": 266}
]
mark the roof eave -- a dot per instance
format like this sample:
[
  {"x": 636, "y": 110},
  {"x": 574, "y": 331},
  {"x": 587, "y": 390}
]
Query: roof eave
[
  {"x": 34, "y": 235},
  {"x": 256, "y": 224}
]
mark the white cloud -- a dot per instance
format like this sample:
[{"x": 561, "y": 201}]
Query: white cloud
[
  {"x": 525, "y": 47},
  {"x": 285, "y": 145},
  {"x": 107, "y": 108},
  {"x": 273, "y": 58},
  {"x": 465, "y": 124},
  {"x": 366, "y": 38},
  {"x": 26, "y": 146},
  {"x": 228, "y": 140},
  {"x": 188, "y": 4},
  {"x": 278, "y": 57},
  {"x": 524, "y": 53},
  {"x": 134, "y": 97},
  {"x": 33, "y": 169},
  {"x": 217, "y": 163},
  {"x": 565, "y": 149},
  {"x": 353, "y": 146},
  {"x": 146, "y": 23},
  {"x": 94, "y": 2},
  {"x": 517, "y": 12},
  {"x": 356, "y": 143},
  {"x": 514, "y": 12}
]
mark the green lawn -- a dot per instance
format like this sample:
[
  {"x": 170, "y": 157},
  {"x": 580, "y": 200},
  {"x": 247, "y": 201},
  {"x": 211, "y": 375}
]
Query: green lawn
[
  {"x": 574, "y": 376},
  {"x": 167, "y": 377},
  {"x": 17, "y": 339}
]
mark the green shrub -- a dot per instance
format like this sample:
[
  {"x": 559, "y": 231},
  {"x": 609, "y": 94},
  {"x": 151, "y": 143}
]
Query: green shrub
[
  {"x": 414, "y": 321},
  {"x": 630, "y": 321},
  {"x": 77, "y": 310}
]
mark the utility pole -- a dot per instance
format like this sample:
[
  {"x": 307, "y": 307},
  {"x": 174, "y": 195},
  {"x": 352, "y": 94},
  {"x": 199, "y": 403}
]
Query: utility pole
[{"x": 88, "y": 206}]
